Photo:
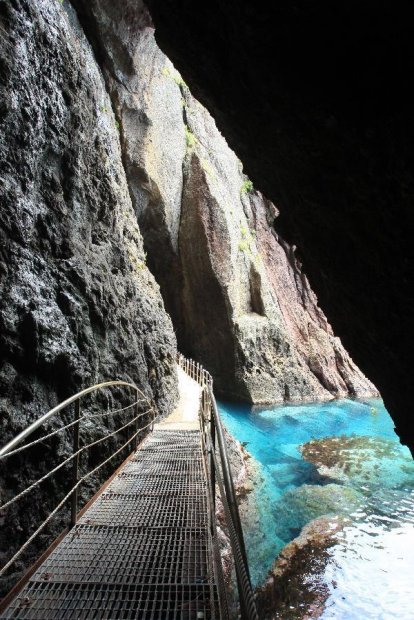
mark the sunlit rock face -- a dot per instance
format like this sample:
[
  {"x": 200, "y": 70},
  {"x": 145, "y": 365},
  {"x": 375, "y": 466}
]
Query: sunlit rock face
[
  {"x": 77, "y": 302},
  {"x": 239, "y": 301},
  {"x": 314, "y": 98}
]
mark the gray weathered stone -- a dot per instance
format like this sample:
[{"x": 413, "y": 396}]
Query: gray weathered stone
[{"x": 239, "y": 301}]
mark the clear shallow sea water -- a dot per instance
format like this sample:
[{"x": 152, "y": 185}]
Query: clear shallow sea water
[{"x": 370, "y": 575}]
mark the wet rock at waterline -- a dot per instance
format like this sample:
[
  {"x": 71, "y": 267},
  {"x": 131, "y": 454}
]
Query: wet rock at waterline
[
  {"x": 294, "y": 588},
  {"x": 239, "y": 301},
  {"x": 361, "y": 460},
  {"x": 302, "y": 504}
]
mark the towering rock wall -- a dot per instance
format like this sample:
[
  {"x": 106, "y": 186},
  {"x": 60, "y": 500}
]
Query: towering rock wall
[
  {"x": 314, "y": 98},
  {"x": 239, "y": 301},
  {"x": 77, "y": 303}
]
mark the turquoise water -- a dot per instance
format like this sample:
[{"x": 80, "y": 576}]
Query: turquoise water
[{"x": 368, "y": 479}]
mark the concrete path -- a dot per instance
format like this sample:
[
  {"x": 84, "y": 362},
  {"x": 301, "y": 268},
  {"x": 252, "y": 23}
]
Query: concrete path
[{"x": 185, "y": 415}]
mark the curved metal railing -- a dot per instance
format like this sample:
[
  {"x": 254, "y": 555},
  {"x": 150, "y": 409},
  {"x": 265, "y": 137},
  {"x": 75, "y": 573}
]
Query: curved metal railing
[
  {"x": 143, "y": 411},
  {"x": 218, "y": 469}
]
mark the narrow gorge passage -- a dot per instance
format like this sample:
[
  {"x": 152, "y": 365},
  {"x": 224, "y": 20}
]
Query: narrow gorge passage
[{"x": 130, "y": 230}]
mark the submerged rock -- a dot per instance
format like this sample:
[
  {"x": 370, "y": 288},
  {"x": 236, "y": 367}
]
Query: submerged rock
[
  {"x": 303, "y": 504},
  {"x": 294, "y": 588},
  {"x": 361, "y": 460}
]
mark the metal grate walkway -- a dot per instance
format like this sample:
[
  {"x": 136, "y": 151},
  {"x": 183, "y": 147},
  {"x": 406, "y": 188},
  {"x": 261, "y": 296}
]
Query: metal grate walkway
[{"x": 142, "y": 550}]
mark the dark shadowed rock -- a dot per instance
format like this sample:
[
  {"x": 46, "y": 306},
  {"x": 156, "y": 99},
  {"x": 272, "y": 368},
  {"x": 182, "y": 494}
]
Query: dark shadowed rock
[{"x": 77, "y": 302}]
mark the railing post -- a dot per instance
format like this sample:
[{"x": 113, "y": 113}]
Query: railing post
[
  {"x": 136, "y": 441},
  {"x": 213, "y": 448},
  {"x": 75, "y": 469}
]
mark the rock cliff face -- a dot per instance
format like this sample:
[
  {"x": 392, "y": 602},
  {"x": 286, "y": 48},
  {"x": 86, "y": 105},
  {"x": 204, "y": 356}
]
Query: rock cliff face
[
  {"x": 239, "y": 301},
  {"x": 77, "y": 303},
  {"x": 314, "y": 99}
]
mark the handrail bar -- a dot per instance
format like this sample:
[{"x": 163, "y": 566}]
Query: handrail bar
[
  {"x": 212, "y": 429},
  {"x": 10, "y": 448},
  {"x": 30, "y": 429},
  {"x": 228, "y": 479}
]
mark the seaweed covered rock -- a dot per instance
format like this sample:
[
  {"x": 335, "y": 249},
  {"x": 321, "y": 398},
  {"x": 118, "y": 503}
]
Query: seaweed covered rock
[
  {"x": 300, "y": 505},
  {"x": 294, "y": 588},
  {"x": 361, "y": 460}
]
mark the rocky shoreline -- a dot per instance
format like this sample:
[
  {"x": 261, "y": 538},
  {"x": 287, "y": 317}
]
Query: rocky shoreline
[
  {"x": 294, "y": 587},
  {"x": 359, "y": 481}
]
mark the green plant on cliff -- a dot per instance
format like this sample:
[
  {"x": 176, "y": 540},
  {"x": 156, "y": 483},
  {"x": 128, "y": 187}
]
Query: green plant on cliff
[
  {"x": 246, "y": 187},
  {"x": 244, "y": 246},
  {"x": 137, "y": 264},
  {"x": 190, "y": 138},
  {"x": 244, "y": 231},
  {"x": 173, "y": 75},
  {"x": 247, "y": 243}
]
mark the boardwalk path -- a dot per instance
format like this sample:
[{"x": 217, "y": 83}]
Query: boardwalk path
[{"x": 143, "y": 549}]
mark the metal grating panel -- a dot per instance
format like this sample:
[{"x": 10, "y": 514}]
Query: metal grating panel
[
  {"x": 176, "y": 467},
  {"x": 176, "y": 437},
  {"x": 129, "y": 482},
  {"x": 118, "y": 555},
  {"x": 134, "y": 511},
  {"x": 173, "y": 450},
  {"x": 156, "y": 456},
  {"x": 143, "y": 550},
  {"x": 83, "y": 601}
]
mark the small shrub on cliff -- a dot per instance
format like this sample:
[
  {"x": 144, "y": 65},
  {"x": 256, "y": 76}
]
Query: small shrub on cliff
[
  {"x": 244, "y": 245},
  {"x": 173, "y": 75},
  {"x": 190, "y": 138},
  {"x": 247, "y": 186}
]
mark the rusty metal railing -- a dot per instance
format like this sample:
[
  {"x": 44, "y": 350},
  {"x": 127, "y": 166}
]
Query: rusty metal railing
[
  {"x": 142, "y": 420},
  {"x": 219, "y": 473}
]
